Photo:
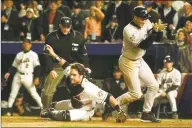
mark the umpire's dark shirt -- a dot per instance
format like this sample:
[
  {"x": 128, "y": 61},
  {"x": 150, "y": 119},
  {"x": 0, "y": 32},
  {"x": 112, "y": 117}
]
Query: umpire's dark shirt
[{"x": 71, "y": 47}]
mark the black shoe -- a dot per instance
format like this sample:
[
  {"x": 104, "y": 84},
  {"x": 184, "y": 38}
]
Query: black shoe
[
  {"x": 175, "y": 115},
  {"x": 9, "y": 112},
  {"x": 107, "y": 112},
  {"x": 45, "y": 113},
  {"x": 121, "y": 117},
  {"x": 149, "y": 117}
]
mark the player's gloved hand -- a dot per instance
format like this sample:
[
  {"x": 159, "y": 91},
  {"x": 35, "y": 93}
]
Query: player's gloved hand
[
  {"x": 36, "y": 81},
  {"x": 76, "y": 103},
  {"x": 7, "y": 75},
  {"x": 158, "y": 27},
  {"x": 53, "y": 74},
  {"x": 121, "y": 117}
]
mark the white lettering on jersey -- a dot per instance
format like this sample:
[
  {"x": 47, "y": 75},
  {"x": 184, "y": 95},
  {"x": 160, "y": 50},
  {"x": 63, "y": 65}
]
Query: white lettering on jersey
[
  {"x": 167, "y": 79},
  {"x": 26, "y": 62}
]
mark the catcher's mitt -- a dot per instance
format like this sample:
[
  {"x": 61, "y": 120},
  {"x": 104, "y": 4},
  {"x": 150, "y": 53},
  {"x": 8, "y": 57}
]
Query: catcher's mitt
[
  {"x": 121, "y": 117},
  {"x": 76, "y": 103}
]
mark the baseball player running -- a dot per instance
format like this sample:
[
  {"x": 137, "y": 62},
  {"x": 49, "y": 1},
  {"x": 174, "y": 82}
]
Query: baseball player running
[
  {"x": 138, "y": 35},
  {"x": 26, "y": 65},
  {"x": 84, "y": 95},
  {"x": 169, "y": 80}
]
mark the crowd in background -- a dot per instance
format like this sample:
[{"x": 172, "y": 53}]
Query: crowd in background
[
  {"x": 93, "y": 19},
  {"x": 99, "y": 21}
]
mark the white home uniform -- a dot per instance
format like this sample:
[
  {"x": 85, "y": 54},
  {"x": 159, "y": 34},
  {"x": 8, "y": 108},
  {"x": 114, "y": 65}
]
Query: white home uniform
[
  {"x": 90, "y": 95},
  {"x": 134, "y": 68},
  {"x": 166, "y": 80},
  {"x": 25, "y": 64}
]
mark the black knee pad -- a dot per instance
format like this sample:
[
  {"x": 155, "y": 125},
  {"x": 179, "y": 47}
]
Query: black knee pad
[{"x": 60, "y": 115}]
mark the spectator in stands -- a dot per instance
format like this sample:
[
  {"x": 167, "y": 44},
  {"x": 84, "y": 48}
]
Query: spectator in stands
[
  {"x": 181, "y": 38},
  {"x": 115, "y": 85},
  {"x": 122, "y": 11},
  {"x": 169, "y": 80},
  {"x": 187, "y": 15},
  {"x": 9, "y": 22},
  {"x": 169, "y": 15},
  {"x": 93, "y": 25},
  {"x": 188, "y": 27},
  {"x": 185, "y": 57},
  {"x": 157, "y": 4},
  {"x": 22, "y": 11},
  {"x": 64, "y": 9},
  {"x": 177, "y": 5},
  {"x": 176, "y": 45},
  {"x": 28, "y": 26},
  {"x": 78, "y": 18},
  {"x": 49, "y": 20},
  {"x": 111, "y": 32},
  {"x": 153, "y": 15},
  {"x": 36, "y": 8},
  {"x": 100, "y": 5}
]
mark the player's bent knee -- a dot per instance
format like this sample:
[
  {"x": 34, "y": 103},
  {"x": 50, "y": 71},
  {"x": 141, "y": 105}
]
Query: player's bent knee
[
  {"x": 153, "y": 88},
  {"x": 136, "y": 96}
]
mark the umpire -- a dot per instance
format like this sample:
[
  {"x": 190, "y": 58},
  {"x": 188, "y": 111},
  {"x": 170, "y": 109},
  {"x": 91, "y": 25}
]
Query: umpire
[{"x": 67, "y": 44}]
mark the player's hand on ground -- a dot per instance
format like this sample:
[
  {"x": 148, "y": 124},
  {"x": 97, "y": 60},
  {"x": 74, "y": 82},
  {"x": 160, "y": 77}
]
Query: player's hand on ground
[
  {"x": 7, "y": 76},
  {"x": 53, "y": 74},
  {"x": 36, "y": 81},
  {"x": 51, "y": 51}
]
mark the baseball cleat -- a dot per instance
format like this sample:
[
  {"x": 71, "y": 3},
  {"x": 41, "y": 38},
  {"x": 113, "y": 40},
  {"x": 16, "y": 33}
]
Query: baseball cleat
[
  {"x": 149, "y": 117},
  {"x": 175, "y": 115}
]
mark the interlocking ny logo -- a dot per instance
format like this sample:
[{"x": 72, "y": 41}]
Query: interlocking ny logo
[{"x": 67, "y": 21}]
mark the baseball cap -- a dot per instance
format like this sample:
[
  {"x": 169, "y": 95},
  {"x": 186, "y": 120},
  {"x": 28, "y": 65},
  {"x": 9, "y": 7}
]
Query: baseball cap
[
  {"x": 76, "y": 5},
  {"x": 66, "y": 22},
  {"x": 140, "y": 11},
  {"x": 116, "y": 69},
  {"x": 148, "y": 3},
  {"x": 168, "y": 59}
]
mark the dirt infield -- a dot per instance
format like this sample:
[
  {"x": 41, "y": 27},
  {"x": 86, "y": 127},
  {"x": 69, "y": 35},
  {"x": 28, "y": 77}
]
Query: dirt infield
[{"x": 95, "y": 122}]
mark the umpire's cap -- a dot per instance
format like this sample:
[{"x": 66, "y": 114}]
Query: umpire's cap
[
  {"x": 66, "y": 22},
  {"x": 140, "y": 11},
  {"x": 168, "y": 59}
]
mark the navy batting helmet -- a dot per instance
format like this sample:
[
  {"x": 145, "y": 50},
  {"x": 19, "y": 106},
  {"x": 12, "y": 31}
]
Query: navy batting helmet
[
  {"x": 140, "y": 11},
  {"x": 168, "y": 59}
]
